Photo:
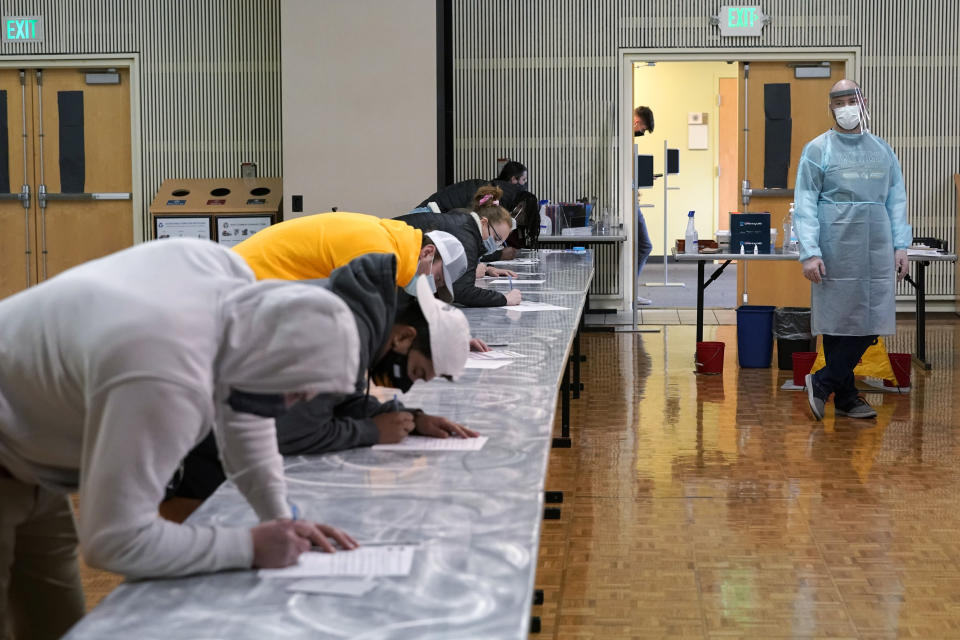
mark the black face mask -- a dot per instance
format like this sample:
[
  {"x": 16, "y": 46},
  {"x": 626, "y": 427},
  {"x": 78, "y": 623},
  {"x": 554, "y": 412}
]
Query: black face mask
[
  {"x": 391, "y": 371},
  {"x": 267, "y": 405},
  {"x": 637, "y": 134}
]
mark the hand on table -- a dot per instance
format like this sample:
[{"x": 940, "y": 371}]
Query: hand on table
[
  {"x": 513, "y": 297},
  {"x": 437, "y": 427},
  {"x": 476, "y": 344},
  {"x": 501, "y": 273},
  {"x": 279, "y": 543},
  {"x": 393, "y": 426}
]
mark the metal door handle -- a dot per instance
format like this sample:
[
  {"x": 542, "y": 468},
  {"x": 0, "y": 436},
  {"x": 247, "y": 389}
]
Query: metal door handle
[{"x": 86, "y": 196}]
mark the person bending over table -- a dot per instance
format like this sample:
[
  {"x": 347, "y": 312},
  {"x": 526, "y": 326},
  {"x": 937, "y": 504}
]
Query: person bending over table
[
  {"x": 479, "y": 232},
  {"x": 313, "y": 246},
  {"x": 111, "y": 372},
  {"x": 397, "y": 347}
]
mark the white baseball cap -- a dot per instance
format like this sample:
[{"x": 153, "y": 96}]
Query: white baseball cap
[
  {"x": 454, "y": 261},
  {"x": 449, "y": 332}
]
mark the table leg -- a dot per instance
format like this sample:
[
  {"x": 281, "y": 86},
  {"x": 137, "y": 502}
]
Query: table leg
[
  {"x": 564, "y": 442},
  {"x": 921, "y": 289},
  {"x": 700, "y": 288},
  {"x": 576, "y": 366}
]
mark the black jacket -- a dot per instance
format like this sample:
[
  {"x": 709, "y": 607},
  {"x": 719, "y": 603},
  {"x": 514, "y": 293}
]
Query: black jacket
[
  {"x": 462, "y": 226},
  {"x": 460, "y": 194},
  {"x": 327, "y": 422}
]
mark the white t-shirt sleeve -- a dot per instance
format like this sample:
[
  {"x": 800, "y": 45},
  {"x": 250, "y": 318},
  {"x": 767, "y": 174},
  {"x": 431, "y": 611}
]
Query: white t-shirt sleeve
[{"x": 135, "y": 436}]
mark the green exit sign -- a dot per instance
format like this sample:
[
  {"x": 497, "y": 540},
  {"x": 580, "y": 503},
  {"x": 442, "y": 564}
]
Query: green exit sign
[
  {"x": 741, "y": 21},
  {"x": 22, "y": 29}
]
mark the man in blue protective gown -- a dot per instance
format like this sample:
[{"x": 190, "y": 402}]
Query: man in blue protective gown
[{"x": 851, "y": 221}]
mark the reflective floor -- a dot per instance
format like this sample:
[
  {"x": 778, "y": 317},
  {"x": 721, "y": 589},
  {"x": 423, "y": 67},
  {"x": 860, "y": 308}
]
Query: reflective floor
[{"x": 715, "y": 507}]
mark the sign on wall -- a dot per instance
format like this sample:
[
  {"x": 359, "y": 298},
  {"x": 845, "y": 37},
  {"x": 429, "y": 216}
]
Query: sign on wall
[
  {"x": 741, "y": 21},
  {"x": 22, "y": 29}
]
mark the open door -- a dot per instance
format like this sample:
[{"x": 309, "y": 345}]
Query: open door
[{"x": 778, "y": 283}]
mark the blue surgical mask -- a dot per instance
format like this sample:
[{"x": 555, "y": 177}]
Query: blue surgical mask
[
  {"x": 411, "y": 287},
  {"x": 489, "y": 244}
]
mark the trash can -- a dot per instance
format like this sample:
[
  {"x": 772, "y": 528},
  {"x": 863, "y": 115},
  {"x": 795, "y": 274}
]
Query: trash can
[
  {"x": 791, "y": 326},
  {"x": 225, "y": 210},
  {"x": 755, "y": 336}
]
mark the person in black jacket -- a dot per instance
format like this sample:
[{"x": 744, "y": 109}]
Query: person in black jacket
[
  {"x": 460, "y": 195},
  {"x": 480, "y": 233},
  {"x": 389, "y": 334},
  {"x": 515, "y": 173}
]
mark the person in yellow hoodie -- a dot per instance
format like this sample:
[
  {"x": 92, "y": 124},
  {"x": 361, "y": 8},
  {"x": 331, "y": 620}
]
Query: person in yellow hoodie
[{"x": 311, "y": 247}]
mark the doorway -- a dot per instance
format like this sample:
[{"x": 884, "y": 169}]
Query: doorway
[
  {"x": 69, "y": 191},
  {"x": 735, "y": 106}
]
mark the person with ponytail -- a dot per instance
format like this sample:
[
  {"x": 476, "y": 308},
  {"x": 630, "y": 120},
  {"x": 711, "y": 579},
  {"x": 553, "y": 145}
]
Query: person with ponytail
[{"x": 481, "y": 231}]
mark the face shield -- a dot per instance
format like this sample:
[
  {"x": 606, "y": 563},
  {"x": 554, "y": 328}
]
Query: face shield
[{"x": 850, "y": 113}]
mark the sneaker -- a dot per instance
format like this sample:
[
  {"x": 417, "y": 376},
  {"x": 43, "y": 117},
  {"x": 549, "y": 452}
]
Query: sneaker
[
  {"x": 816, "y": 403},
  {"x": 859, "y": 409},
  {"x": 644, "y": 301}
]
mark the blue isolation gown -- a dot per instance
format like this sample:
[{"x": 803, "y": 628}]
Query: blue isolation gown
[{"x": 851, "y": 209}]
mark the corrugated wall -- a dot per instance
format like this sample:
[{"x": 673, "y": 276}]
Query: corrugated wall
[
  {"x": 209, "y": 76},
  {"x": 536, "y": 80}
]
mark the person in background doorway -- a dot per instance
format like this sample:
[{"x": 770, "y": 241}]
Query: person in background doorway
[
  {"x": 514, "y": 173},
  {"x": 397, "y": 347},
  {"x": 642, "y": 123},
  {"x": 851, "y": 220},
  {"x": 111, "y": 372}
]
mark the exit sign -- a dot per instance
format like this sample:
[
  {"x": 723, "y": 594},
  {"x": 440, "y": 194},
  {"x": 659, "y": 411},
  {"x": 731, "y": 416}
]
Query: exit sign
[
  {"x": 22, "y": 29},
  {"x": 741, "y": 21}
]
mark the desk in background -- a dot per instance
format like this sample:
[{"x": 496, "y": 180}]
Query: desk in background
[{"x": 919, "y": 284}]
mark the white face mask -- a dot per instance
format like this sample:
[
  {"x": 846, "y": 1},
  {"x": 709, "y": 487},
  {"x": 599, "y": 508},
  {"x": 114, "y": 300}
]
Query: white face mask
[{"x": 848, "y": 117}]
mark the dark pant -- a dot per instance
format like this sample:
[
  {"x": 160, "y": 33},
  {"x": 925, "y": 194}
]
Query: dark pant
[
  {"x": 40, "y": 591},
  {"x": 842, "y": 353}
]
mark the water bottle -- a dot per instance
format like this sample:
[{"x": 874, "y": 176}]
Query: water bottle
[
  {"x": 789, "y": 232},
  {"x": 690, "y": 242},
  {"x": 546, "y": 226}
]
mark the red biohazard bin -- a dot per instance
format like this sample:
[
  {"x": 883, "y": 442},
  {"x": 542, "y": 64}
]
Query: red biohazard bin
[
  {"x": 901, "y": 363},
  {"x": 710, "y": 357},
  {"x": 802, "y": 364}
]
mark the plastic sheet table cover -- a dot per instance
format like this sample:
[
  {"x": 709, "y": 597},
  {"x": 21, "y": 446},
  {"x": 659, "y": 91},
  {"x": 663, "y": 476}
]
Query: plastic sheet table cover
[{"x": 476, "y": 515}]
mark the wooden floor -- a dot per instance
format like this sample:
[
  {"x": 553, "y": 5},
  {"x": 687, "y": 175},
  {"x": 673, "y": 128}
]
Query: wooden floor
[{"x": 715, "y": 507}]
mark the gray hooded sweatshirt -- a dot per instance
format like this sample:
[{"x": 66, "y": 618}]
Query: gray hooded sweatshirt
[
  {"x": 113, "y": 370},
  {"x": 328, "y": 422}
]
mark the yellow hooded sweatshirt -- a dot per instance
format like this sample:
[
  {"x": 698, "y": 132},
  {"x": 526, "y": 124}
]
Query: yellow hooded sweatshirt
[{"x": 313, "y": 246}]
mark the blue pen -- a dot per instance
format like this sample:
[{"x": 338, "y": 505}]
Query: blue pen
[
  {"x": 396, "y": 403},
  {"x": 510, "y": 279}
]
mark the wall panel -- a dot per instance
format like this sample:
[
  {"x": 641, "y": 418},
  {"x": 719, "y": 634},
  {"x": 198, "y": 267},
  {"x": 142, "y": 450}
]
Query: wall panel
[
  {"x": 542, "y": 86},
  {"x": 209, "y": 76}
]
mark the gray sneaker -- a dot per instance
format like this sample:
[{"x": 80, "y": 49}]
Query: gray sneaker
[
  {"x": 859, "y": 409},
  {"x": 816, "y": 404}
]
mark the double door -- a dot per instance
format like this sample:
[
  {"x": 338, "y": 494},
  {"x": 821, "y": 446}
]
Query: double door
[{"x": 65, "y": 170}]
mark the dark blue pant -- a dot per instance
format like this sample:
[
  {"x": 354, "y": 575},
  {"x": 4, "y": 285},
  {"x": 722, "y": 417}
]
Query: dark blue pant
[{"x": 842, "y": 353}]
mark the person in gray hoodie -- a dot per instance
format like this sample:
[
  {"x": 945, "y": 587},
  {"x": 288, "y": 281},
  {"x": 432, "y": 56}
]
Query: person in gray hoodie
[
  {"x": 111, "y": 372},
  {"x": 331, "y": 422}
]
